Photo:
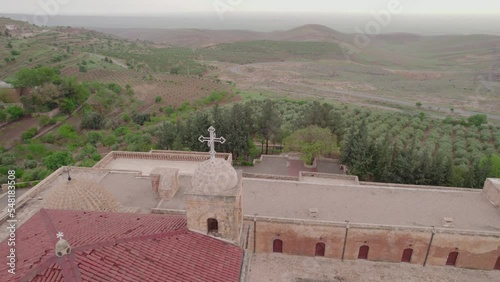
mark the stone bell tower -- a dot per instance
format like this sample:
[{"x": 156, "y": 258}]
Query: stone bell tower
[{"x": 213, "y": 202}]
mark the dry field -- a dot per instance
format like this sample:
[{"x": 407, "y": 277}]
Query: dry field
[{"x": 174, "y": 89}]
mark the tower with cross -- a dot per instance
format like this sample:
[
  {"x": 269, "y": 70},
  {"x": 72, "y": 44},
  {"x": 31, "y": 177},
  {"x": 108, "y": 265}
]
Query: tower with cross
[
  {"x": 213, "y": 202},
  {"x": 211, "y": 141}
]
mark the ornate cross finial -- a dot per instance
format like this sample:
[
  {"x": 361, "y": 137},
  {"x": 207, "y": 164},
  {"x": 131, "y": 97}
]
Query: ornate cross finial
[
  {"x": 60, "y": 235},
  {"x": 211, "y": 141}
]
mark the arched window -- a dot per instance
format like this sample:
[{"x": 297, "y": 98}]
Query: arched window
[
  {"x": 363, "y": 252},
  {"x": 213, "y": 226},
  {"x": 497, "y": 265},
  {"x": 320, "y": 250},
  {"x": 277, "y": 246},
  {"x": 452, "y": 259},
  {"x": 407, "y": 253}
]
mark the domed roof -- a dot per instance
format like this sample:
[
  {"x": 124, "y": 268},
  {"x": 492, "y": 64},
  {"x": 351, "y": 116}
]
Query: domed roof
[
  {"x": 213, "y": 177},
  {"x": 80, "y": 194}
]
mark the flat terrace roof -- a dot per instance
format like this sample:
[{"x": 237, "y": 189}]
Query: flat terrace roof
[
  {"x": 418, "y": 207},
  {"x": 146, "y": 166}
]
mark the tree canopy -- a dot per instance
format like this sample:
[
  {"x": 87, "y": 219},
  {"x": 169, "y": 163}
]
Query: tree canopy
[
  {"x": 35, "y": 77},
  {"x": 312, "y": 142}
]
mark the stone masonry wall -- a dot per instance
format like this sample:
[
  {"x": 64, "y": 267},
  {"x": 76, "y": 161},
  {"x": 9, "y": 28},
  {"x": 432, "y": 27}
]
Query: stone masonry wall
[
  {"x": 477, "y": 251},
  {"x": 492, "y": 191}
]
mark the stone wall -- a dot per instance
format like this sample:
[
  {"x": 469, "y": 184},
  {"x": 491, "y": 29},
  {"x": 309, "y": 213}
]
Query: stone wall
[
  {"x": 347, "y": 179},
  {"x": 492, "y": 191},
  {"x": 270, "y": 176},
  {"x": 50, "y": 114},
  {"x": 159, "y": 155},
  {"x": 164, "y": 182},
  {"x": 477, "y": 250},
  {"x": 225, "y": 209}
]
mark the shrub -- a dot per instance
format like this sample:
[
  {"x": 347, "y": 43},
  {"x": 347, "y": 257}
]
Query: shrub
[
  {"x": 30, "y": 164},
  {"x": 15, "y": 112},
  {"x": 49, "y": 138},
  {"x": 115, "y": 88},
  {"x": 3, "y": 115},
  {"x": 140, "y": 119},
  {"x": 37, "y": 149},
  {"x": 15, "y": 53},
  {"x": 169, "y": 110},
  {"x": 29, "y": 134},
  {"x": 94, "y": 137},
  {"x": 83, "y": 69},
  {"x": 158, "y": 99},
  {"x": 88, "y": 163},
  {"x": 478, "y": 119},
  {"x": 44, "y": 120},
  {"x": 58, "y": 159},
  {"x": 67, "y": 132},
  {"x": 93, "y": 121},
  {"x": 68, "y": 106}
]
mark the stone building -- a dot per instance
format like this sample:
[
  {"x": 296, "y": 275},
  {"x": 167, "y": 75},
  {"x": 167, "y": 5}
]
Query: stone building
[{"x": 313, "y": 215}]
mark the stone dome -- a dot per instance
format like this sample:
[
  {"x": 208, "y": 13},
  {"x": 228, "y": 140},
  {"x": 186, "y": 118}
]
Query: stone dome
[
  {"x": 213, "y": 177},
  {"x": 80, "y": 194}
]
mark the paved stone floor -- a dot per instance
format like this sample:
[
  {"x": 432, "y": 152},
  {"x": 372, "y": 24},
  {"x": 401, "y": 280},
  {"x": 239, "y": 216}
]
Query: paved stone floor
[
  {"x": 284, "y": 268},
  {"x": 284, "y": 166}
]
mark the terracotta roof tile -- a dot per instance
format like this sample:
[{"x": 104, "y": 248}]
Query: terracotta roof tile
[{"x": 120, "y": 247}]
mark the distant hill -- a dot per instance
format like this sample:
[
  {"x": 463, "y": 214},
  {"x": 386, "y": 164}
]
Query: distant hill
[{"x": 196, "y": 38}]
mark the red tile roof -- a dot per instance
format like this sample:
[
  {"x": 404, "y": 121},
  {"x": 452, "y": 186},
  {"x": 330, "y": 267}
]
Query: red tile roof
[{"x": 118, "y": 247}]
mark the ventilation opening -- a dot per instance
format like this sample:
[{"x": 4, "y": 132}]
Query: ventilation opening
[
  {"x": 447, "y": 222},
  {"x": 213, "y": 226},
  {"x": 313, "y": 212}
]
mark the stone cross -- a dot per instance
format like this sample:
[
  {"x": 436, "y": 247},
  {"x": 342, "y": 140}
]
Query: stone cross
[{"x": 211, "y": 141}]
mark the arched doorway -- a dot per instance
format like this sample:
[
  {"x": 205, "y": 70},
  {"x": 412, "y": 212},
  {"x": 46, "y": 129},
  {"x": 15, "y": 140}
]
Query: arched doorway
[
  {"x": 452, "y": 259},
  {"x": 320, "y": 250},
  {"x": 277, "y": 246},
  {"x": 212, "y": 226},
  {"x": 363, "y": 252},
  {"x": 497, "y": 265},
  {"x": 407, "y": 253}
]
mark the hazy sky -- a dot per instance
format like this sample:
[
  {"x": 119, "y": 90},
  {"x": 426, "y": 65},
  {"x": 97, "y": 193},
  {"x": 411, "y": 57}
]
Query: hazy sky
[{"x": 142, "y": 7}]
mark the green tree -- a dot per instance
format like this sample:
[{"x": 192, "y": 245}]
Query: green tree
[
  {"x": 58, "y": 159},
  {"x": 92, "y": 120},
  {"x": 478, "y": 119},
  {"x": 109, "y": 140},
  {"x": 312, "y": 142},
  {"x": 357, "y": 152},
  {"x": 29, "y": 78},
  {"x": 268, "y": 122},
  {"x": 166, "y": 134},
  {"x": 237, "y": 127}
]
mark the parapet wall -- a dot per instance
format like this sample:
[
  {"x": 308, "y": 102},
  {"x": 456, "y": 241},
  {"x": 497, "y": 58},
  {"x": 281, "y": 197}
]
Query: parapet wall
[
  {"x": 395, "y": 185},
  {"x": 492, "y": 191},
  {"x": 160, "y": 155},
  {"x": 270, "y": 176},
  {"x": 348, "y": 179}
]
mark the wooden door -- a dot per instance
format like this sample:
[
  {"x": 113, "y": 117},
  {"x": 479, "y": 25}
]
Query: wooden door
[
  {"x": 407, "y": 255},
  {"x": 277, "y": 246},
  {"x": 363, "y": 252},
  {"x": 320, "y": 250},
  {"x": 452, "y": 259}
]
